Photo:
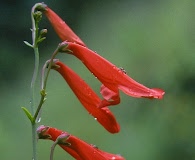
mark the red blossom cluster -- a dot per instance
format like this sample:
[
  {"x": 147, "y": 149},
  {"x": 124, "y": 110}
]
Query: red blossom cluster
[{"x": 112, "y": 78}]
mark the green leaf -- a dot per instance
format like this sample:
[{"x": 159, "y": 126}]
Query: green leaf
[
  {"x": 28, "y": 114},
  {"x": 28, "y": 44},
  {"x": 41, "y": 40}
]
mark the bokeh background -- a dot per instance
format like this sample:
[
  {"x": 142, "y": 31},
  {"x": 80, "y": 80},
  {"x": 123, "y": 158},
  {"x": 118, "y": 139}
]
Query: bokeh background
[{"x": 152, "y": 40}]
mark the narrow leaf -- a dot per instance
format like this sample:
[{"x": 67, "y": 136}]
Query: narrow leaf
[
  {"x": 28, "y": 44},
  {"x": 28, "y": 114},
  {"x": 41, "y": 39}
]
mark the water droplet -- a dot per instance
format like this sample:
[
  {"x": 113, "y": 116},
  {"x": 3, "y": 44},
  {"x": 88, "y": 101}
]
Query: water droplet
[
  {"x": 95, "y": 119},
  {"x": 94, "y": 146},
  {"x": 107, "y": 111},
  {"x": 30, "y": 102},
  {"x": 114, "y": 67},
  {"x": 113, "y": 157},
  {"x": 38, "y": 120}
]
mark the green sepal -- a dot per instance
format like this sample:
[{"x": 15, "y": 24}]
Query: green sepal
[
  {"x": 41, "y": 132},
  {"x": 62, "y": 46},
  {"x": 61, "y": 139},
  {"x": 28, "y": 44},
  {"x": 44, "y": 136},
  {"x": 68, "y": 51},
  {"x": 28, "y": 114},
  {"x": 64, "y": 143}
]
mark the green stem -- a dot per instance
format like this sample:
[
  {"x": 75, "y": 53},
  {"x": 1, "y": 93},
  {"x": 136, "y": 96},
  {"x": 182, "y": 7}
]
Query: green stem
[
  {"x": 52, "y": 150},
  {"x": 49, "y": 67},
  {"x": 43, "y": 95},
  {"x": 44, "y": 82},
  {"x": 34, "y": 141},
  {"x": 36, "y": 69},
  {"x": 60, "y": 47}
]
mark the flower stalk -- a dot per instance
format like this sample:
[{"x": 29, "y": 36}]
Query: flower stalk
[
  {"x": 36, "y": 69},
  {"x": 36, "y": 39},
  {"x": 52, "y": 150},
  {"x": 44, "y": 78}
]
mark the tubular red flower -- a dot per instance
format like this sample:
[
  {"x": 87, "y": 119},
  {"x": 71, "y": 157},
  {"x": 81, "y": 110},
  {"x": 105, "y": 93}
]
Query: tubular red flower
[
  {"x": 89, "y": 98},
  {"x": 112, "y": 77},
  {"x": 78, "y": 148},
  {"x": 62, "y": 29}
]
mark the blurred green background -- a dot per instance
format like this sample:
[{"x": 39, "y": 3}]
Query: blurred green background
[{"x": 152, "y": 39}]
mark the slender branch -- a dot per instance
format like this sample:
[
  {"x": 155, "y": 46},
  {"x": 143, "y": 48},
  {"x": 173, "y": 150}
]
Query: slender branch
[
  {"x": 52, "y": 150},
  {"x": 43, "y": 95},
  {"x": 35, "y": 73},
  {"x": 44, "y": 82},
  {"x": 49, "y": 67}
]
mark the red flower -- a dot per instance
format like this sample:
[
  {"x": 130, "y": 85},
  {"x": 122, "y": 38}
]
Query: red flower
[
  {"x": 79, "y": 149},
  {"x": 112, "y": 77},
  {"x": 89, "y": 99},
  {"x": 62, "y": 29}
]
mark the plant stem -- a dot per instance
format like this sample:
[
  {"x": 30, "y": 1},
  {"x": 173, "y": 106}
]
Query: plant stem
[
  {"x": 36, "y": 69},
  {"x": 44, "y": 82},
  {"x": 43, "y": 94},
  {"x": 49, "y": 67},
  {"x": 34, "y": 141},
  {"x": 52, "y": 150},
  {"x": 35, "y": 39}
]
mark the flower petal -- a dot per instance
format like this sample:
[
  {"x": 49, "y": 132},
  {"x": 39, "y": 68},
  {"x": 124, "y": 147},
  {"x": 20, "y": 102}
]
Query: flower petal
[
  {"x": 78, "y": 148},
  {"x": 62, "y": 29},
  {"x": 111, "y": 76},
  {"x": 88, "y": 98},
  {"x": 89, "y": 152},
  {"x": 110, "y": 97}
]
